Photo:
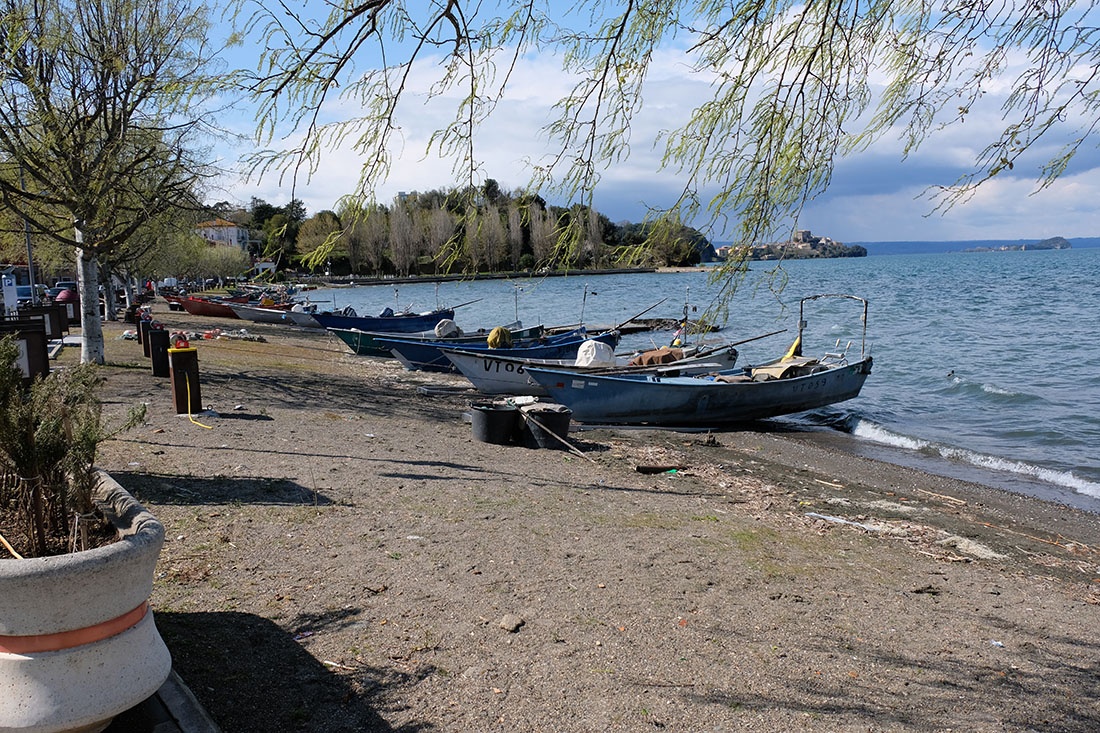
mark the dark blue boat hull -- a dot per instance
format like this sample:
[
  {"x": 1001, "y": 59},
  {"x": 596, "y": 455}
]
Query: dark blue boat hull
[
  {"x": 389, "y": 324},
  {"x": 694, "y": 401},
  {"x": 426, "y": 356}
]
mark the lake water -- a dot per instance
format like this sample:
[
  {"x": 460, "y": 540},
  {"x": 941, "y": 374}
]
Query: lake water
[{"x": 987, "y": 365}]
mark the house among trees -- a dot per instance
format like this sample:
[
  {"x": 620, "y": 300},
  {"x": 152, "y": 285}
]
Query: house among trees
[
  {"x": 804, "y": 245},
  {"x": 224, "y": 232}
]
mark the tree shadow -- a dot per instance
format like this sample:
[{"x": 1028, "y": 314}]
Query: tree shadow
[
  {"x": 178, "y": 489},
  {"x": 244, "y": 416},
  {"x": 1032, "y": 686},
  {"x": 251, "y": 674},
  {"x": 309, "y": 391}
]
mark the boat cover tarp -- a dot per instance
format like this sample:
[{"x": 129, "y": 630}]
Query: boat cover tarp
[
  {"x": 447, "y": 328},
  {"x": 499, "y": 338},
  {"x": 595, "y": 353},
  {"x": 796, "y": 366},
  {"x": 654, "y": 357}
]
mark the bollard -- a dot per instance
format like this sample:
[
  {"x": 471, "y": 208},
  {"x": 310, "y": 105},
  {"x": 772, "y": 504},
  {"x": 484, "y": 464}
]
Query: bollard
[
  {"x": 33, "y": 358},
  {"x": 143, "y": 328},
  {"x": 72, "y": 310},
  {"x": 184, "y": 367},
  {"x": 158, "y": 351}
]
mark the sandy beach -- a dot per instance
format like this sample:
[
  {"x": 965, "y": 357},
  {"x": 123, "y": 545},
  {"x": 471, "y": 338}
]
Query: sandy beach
[{"x": 343, "y": 556}]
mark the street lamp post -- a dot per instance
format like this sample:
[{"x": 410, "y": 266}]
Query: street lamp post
[{"x": 27, "y": 234}]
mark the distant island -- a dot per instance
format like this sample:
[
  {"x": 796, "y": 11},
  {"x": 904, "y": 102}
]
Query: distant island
[
  {"x": 1051, "y": 243},
  {"x": 804, "y": 246}
]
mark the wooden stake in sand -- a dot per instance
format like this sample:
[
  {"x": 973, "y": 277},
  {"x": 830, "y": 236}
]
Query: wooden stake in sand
[
  {"x": 960, "y": 502},
  {"x": 10, "y": 549},
  {"x": 563, "y": 441}
]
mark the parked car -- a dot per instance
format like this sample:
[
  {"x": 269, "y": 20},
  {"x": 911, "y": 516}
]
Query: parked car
[
  {"x": 23, "y": 293},
  {"x": 66, "y": 284}
]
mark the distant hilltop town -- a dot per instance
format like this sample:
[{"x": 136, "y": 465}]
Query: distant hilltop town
[
  {"x": 804, "y": 246},
  {"x": 1051, "y": 243}
]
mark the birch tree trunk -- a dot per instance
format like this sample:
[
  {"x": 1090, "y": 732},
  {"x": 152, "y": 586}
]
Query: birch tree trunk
[
  {"x": 91, "y": 326},
  {"x": 110, "y": 298},
  {"x": 128, "y": 280}
]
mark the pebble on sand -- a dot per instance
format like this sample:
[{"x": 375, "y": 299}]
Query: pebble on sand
[{"x": 511, "y": 622}]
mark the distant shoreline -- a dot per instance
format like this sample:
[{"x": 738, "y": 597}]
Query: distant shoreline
[{"x": 342, "y": 281}]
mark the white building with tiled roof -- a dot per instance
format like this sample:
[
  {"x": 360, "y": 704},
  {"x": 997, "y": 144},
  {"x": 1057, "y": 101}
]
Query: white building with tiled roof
[{"x": 223, "y": 232}]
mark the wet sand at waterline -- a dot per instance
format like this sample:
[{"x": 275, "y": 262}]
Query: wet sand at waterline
[{"x": 343, "y": 556}]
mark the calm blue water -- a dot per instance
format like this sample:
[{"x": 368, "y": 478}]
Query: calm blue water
[{"x": 987, "y": 365}]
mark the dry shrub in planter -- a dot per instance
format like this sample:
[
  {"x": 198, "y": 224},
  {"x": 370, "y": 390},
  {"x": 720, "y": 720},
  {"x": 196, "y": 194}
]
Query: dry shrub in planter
[
  {"x": 78, "y": 643},
  {"x": 49, "y": 436}
]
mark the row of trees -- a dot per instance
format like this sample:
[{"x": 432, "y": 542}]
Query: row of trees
[
  {"x": 439, "y": 230},
  {"x": 482, "y": 229}
]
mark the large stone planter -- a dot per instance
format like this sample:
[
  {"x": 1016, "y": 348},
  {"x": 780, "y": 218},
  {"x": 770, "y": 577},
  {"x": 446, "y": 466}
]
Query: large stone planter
[{"x": 77, "y": 639}]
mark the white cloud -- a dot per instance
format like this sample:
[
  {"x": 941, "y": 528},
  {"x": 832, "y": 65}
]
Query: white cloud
[
  {"x": 1004, "y": 208},
  {"x": 874, "y": 196}
]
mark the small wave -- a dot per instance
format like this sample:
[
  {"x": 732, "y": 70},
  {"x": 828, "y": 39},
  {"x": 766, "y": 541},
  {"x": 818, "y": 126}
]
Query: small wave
[
  {"x": 871, "y": 431},
  {"x": 986, "y": 387},
  {"x": 1051, "y": 476},
  {"x": 877, "y": 433}
]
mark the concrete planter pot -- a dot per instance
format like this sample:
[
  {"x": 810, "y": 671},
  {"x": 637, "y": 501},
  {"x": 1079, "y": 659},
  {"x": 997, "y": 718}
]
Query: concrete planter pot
[{"x": 77, "y": 640}]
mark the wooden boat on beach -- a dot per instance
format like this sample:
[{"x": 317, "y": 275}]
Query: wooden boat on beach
[
  {"x": 303, "y": 318},
  {"x": 491, "y": 373},
  {"x": 781, "y": 387},
  {"x": 427, "y": 356},
  {"x": 260, "y": 314},
  {"x": 219, "y": 308}
]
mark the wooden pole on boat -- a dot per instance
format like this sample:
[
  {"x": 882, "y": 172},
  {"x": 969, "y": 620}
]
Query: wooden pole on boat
[
  {"x": 738, "y": 343},
  {"x": 638, "y": 315}
]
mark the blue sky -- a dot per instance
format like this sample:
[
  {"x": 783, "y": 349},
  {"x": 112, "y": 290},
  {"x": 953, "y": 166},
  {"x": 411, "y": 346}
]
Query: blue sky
[{"x": 875, "y": 195}]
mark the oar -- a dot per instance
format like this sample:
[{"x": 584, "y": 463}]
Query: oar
[
  {"x": 470, "y": 302},
  {"x": 638, "y": 315}
]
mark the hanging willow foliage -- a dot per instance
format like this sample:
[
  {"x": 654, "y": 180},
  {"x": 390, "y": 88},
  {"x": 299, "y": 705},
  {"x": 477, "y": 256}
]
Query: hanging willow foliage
[{"x": 795, "y": 85}]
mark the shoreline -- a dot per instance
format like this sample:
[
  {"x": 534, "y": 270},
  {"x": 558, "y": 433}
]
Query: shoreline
[
  {"x": 1018, "y": 484},
  {"x": 339, "y": 531}
]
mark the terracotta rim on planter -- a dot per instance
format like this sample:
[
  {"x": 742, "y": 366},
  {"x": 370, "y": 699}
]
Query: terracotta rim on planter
[{"x": 77, "y": 637}]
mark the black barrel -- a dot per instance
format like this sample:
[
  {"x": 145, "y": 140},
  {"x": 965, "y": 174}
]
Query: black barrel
[
  {"x": 545, "y": 425},
  {"x": 494, "y": 422}
]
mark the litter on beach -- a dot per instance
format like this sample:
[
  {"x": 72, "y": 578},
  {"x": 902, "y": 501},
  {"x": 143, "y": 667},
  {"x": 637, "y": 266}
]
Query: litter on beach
[{"x": 841, "y": 520}]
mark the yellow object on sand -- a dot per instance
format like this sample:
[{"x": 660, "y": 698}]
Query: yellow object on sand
[{"x": 500, "y": 338}]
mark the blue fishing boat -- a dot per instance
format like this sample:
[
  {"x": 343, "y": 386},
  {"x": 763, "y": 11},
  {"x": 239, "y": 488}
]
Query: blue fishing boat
[
  {"x": 784, "y": 386},
  {"x": 395, "y": 323},
  {"x": 427, "y": 356},
  {"x": 363, "y": 342},
  {"x": 491, "y": 373}
]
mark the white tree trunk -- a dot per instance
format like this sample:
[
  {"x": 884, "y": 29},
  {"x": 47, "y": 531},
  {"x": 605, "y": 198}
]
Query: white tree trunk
[
  {"x": 91, "y": 327},
  {"x": 110, "y": 299},
  {"x": 128, "y": 279}
]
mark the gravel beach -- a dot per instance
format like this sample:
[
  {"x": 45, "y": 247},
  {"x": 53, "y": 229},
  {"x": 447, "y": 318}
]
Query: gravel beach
[{"x": 342, "y": 555}]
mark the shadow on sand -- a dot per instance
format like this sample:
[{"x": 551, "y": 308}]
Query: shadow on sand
[{"x": 251, "y": 674}]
